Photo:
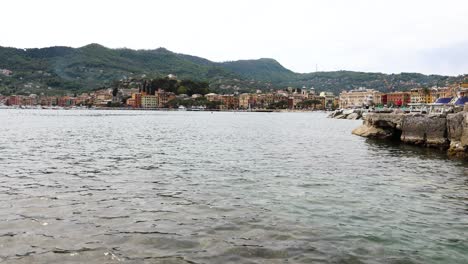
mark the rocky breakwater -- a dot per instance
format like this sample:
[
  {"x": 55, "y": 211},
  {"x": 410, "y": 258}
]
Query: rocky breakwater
[
  {"x": 443, "y": 131},
  {"x": 350, "y": 114}
]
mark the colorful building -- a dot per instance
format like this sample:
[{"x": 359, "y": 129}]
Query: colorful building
[
  {"x": 420, "y": 96},
  {"x": 357, "y": 98},
  {"x": 244, "y": 100},
  {"x": 149, "y": 101},
  {"x": 230, "y": 101},
  {"x": 399, "y": 98},
  {"x": 164, "y": 97},
  {"x": 136, "y": 100}
]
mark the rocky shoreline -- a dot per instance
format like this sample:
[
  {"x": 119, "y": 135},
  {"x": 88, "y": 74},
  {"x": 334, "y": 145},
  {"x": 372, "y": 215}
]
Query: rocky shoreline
[
  {"x": 444, "y": 131},
  {"x": 350, "y": 114}
]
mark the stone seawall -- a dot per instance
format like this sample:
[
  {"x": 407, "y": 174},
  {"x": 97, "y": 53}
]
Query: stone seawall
[{"x": 447, "y": 131}]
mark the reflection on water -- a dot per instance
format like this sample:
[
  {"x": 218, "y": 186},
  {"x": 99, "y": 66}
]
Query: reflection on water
[
  {"x": 181, "y": 187},
  {"x": 398, "y": 148}
]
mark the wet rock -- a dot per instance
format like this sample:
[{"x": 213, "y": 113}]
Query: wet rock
[
  {"x": 381, "y": 126},
  {"x": 425, "y": 130},
  {"x": 353, "y": 116},
  {"x": 385, "y": 120},
  {"x": 455, "y": 126},
  {"x": 350, "y": 114},
  {"x": 464, "y": 135},
  {"x": 438, "y": 131},
  {"x": 335, "y": 113},
  {"x": 457, "y": 130},
  {"x": 373, "y": 132}
]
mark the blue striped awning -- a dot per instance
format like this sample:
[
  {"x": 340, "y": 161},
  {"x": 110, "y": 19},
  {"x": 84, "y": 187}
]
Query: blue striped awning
[
  {"x": 443, "y": 100},
  {"x": 461, "y": 101}
]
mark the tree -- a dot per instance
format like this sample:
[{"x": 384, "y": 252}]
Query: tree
[
  {"x": 213, "y": 104},
  {"x": 283, "y": 104},
  {"x": 182, "y": 90}
]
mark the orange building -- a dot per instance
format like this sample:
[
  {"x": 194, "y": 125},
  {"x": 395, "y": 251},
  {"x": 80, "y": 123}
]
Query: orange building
[
  {"x": 230, "y": 101},
  {"x": 136, "y": 100},
  {"x": 399, "y": 98},
  {"x": 164, "y": 97},
  {"x": 14, "y": 100}
]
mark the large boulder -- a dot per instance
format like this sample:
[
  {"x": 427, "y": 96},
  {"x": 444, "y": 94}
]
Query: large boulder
[
  {"x": 373, "y": 132},
  {"x": 384, "y": 120},
  {"x": 457, "y": 130},
  {"x": 335, "y": 113},
  {"x": 382, "y": 126},
  {"x": 353, "y": 116},
  {"x": 441, "y": 131},
  {"x": 455, "y": 126},
  {"x": 464, "y": 135},
  {"x": 348, "y": 111},
  {"x": 425, "y": 130}
]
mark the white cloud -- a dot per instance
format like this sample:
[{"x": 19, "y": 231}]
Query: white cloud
[{"x": 367, "y": 35}]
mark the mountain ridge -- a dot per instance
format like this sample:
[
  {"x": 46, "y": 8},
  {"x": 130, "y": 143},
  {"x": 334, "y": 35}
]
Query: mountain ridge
[{"x": 67, "y": 69}]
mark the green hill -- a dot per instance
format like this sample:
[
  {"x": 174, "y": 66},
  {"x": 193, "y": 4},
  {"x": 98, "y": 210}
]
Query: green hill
[
  {"x": 62, "y": 69},
  {"x": 268, "y": 70}
]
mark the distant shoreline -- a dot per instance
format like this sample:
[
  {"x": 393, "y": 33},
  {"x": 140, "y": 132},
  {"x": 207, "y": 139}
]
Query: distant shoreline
[{"x": 169, "y": 110}]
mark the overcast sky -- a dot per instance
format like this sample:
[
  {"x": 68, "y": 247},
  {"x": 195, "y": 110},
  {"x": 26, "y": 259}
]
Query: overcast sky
[{"x": 363, "y": 35}]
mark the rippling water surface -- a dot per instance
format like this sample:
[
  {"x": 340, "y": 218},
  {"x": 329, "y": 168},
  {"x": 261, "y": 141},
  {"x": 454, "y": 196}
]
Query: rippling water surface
[{"x": 201, "y": 187}]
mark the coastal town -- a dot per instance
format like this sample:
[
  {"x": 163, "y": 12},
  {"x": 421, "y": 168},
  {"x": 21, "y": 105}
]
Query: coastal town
[{"x": 139, "y": 94}]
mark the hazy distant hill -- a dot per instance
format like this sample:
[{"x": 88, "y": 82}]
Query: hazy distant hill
[{"x": 61, "y": 69}]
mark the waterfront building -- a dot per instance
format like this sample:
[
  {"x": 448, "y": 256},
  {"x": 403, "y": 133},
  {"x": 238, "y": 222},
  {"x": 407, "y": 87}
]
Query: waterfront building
[
  {"x": 462, "y": 89},
  {"x": 83, "y": 99},
  {"x": 54, "y": 100},
  {"x": 261, "y": 101},
  {"x": 329, "y": 99},
  {"x": 129, "y": 91},
  {"x": 230, "y": 101},
  {"x": 66, "y": 101},
  {"x": 296, "y": 98},
  {"x": 29, "y": 100},
  {"x": 280, "y": 97},
  {"x": 379, "y": 98},
  {"x": 322, "y": 104},
  {"x": 136, "y": 102},
  {"x": 212, "y": 97},
  {"x": 253, "y": 100},
  {"x": 164, "y": 97},
  {"x": 357, "y": 98},
  {"x": 420, "y": 96},
  {"x": 14, "y": 100},
  {"x": 149, "y": 101},
  {"x": 130, "y": 102},
  {"x": 269, "y": 99},
  {"x": 244, "y": 100},
  {"x": 446, "y": 92},
  {"x": 102, "y": 97},
  {"x": 399, "y": 98},
  {"x": 336, "y": 102}
]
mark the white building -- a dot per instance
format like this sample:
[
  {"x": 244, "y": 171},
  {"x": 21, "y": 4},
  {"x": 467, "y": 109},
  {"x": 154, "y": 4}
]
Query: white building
[
  {"x": 357, "y": 98},
  {"x": 149, "y": 101}
]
